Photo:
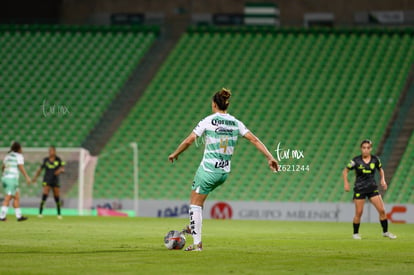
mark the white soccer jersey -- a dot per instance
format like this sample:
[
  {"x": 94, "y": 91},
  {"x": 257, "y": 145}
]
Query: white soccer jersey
[
  {"x": 221, "y": 133},
  {"x": 11, "y": 161}
]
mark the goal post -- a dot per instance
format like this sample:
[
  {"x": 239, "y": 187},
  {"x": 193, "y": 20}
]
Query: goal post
[
  {"x": 87, "y": 166},
  {"x": 134, "y": 146}
]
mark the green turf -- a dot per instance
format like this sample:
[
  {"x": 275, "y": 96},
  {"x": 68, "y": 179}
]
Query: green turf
[{"x": 107, "y": 245}]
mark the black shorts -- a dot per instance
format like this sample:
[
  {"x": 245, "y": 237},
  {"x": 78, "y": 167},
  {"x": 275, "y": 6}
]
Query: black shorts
[
  {"x": 364, "y": 195},
  {"x": 51, "y": 184}
]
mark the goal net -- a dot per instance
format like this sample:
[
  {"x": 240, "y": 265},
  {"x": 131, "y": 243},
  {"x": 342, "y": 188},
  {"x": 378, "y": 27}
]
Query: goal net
[
  {"x": 115, "y": 189},
  {"x": 76, "y": 182}
]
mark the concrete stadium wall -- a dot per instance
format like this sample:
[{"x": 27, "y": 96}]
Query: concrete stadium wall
[{"x": 292, "y": 11}]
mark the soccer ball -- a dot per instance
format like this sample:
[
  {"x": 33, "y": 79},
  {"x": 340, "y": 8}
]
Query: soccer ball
[{"x": 174, "y": 240}]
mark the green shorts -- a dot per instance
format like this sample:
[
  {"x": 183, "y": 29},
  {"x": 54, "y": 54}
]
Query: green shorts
[
  {"x": 205, "y": 182},
  {"x": 10, "y": 185}
]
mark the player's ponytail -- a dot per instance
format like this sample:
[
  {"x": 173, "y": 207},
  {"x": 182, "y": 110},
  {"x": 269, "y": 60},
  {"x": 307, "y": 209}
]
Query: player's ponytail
[
  {"x": 221, "y": 98},
  {"x": 15, "y": 147}
]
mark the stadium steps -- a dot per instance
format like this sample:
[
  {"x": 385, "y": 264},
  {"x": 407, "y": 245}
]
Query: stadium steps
[
  {"x": 399, "y": 130},
  {"x": 402, "y": 153},
  {"x": 129, "y": 95},
  {"x": 321, "y": 91},
  {"x": 402, "y": 188}
]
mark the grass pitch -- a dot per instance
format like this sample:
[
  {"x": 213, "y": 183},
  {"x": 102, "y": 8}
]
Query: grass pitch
[{"x": 108, "y": 245}]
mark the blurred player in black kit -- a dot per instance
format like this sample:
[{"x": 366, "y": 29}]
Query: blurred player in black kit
[
  {"x": 53, "y": 166},
  {"x": 365, "y": 187}
]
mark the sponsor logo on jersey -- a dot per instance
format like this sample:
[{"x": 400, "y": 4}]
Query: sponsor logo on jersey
[
  {"x": 223, "y": 131},
  {"x": 217, "y": 122},
  {"x": 52, "y": 165},
  {"x": 221, "y": 164}
]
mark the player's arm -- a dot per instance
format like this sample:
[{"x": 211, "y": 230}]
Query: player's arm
[
  {"x": 61, "y": 169},
  {"x": 274, "y": 166},
  {"x": 2, "y": 167},
  {"x": 37, "y": 174},
  {"x": 182, "y": 147},
  {"x": 345, "y": 176},
  {"x": 382, "y": 179},
  {"x": 23, "y": 171}
]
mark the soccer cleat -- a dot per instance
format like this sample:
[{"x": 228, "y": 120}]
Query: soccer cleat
[
  {"x": 59, "y": 217},
  {"x": 195, "y": 247},
  {"x": 22, "y": 219},
  {"x": 40, "y": 216},
  {"x": 389, "y": 235},
  {"x": 3, "y": 220},
  {"x": 186, "y": 230},
  {"x": 356, "y": 237}
]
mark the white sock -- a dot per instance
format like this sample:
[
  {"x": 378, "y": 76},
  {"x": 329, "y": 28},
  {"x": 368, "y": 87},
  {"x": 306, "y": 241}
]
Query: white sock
[
  {"x": 3, "y": 213},
  {"x": 196, "y": 222},
  {"x": 18, "y": 212}
]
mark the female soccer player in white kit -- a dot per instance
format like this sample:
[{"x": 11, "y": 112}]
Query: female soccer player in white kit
[
  {"x": 12, "y": 163},
  {"x": 221, "y": 132}
]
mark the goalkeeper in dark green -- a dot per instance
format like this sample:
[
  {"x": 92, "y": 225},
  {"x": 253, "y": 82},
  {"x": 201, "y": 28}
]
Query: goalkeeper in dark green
[{"x": 53, "y": 166}]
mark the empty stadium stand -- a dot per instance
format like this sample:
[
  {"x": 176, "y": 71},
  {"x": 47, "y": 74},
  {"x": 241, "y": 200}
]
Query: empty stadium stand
[
  {"x": 320, "y": 91},
  {"x": 56, "y": 81}
]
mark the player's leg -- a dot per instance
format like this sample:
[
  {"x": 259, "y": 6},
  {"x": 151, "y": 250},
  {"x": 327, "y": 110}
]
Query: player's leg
[
  {"x": 203, "y": 184},
  {"x": 198, "y": 196},
  {"x": 379, "y": 205},
  {"x": 16, "y": 205},
  {"x": 5, "y": 207},
  {"x": 10, "y": 186},
  {"x": 196, "y": 215},
  {"x": 359, "y": 209},
  {"x": 57, "y": 200},
  {"x": 45, "y": 194}
]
